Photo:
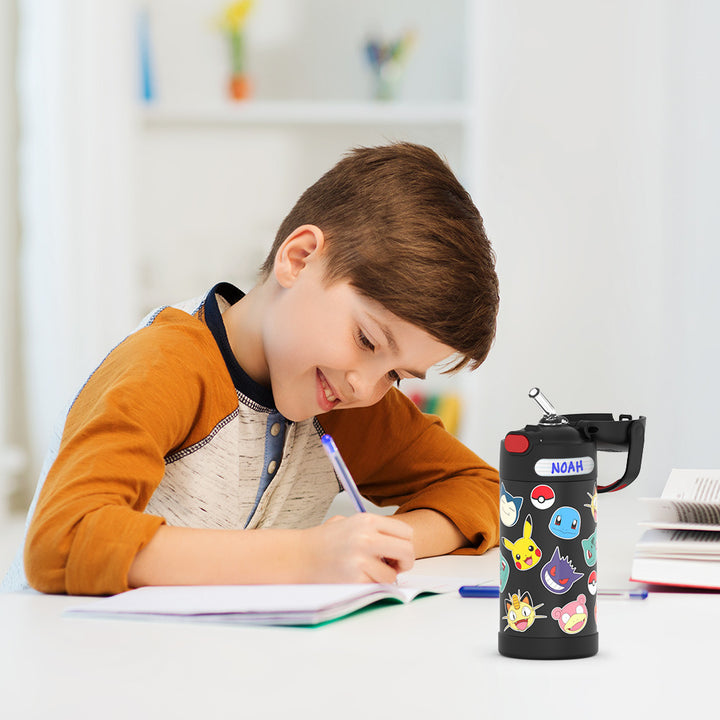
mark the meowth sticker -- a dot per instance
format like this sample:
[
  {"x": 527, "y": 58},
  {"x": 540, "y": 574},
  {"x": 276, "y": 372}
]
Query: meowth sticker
[
  {"x": 593, "y": 504},
  {"x": 520, "y": 612}
]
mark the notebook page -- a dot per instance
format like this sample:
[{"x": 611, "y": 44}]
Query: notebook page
[{"x": 217, "y": 599}]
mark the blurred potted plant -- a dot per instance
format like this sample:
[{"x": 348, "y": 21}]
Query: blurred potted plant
[
  {"x": 232, "y": 23},
  {"x": 387, "y": 61}
]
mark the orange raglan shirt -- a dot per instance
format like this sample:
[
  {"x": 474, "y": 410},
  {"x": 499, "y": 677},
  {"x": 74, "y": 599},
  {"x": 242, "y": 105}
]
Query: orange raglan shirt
[{"x": 169, "y": 429}]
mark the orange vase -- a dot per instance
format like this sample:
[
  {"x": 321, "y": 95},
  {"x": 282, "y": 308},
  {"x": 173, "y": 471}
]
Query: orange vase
[{"x": 239, "y": 87}]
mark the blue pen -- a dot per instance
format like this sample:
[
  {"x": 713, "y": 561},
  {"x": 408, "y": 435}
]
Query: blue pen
[
  {"x": 493, "y": 591},
  {"x": 342, "y": 472},
  {"x": 624, "y": 594},
  {"x": 480, "y": 591}
]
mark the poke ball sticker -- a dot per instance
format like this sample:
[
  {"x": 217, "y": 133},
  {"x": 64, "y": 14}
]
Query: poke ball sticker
[
  {"x": 542, "y": 497},
  {"x": 592, "y": 582}
]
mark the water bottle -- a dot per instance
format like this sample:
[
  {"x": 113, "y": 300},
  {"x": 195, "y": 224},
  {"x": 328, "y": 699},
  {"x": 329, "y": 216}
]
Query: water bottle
[{"x": 548, "y": 529}]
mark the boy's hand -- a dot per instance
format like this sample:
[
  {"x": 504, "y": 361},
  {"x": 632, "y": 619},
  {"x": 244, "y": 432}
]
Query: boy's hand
[{"x": 361, "y": 548}]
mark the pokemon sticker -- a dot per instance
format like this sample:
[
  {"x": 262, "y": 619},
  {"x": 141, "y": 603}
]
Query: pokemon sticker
[
  {"x": 504, "y": 573},
  {"x": 509, "y": 507},
  {"x": 572, "y": 617},
  {"x": 525, "y": 553},
  {"x": 559, "y": 575},
  {"x": 593, "y": 504},
  {"x": 542, "y": 497},
  {"x": 589, "y": 549},
  {"x": 565, "y": 523},
  {"x": 592, "y": 582},
  {"x": 520, "y": 612}
]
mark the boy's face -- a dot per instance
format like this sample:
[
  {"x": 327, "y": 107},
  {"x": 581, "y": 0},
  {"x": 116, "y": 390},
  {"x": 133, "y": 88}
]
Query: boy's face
[{"x": 327, "y": 346}]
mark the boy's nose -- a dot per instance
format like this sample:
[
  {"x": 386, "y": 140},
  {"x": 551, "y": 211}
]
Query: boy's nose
[{"x": 364, "y": 385}]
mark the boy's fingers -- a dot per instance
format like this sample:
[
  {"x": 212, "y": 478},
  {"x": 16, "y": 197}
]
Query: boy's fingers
[
  {"x": 394, "y": 548},
  {"x": 382, "y": 572}
]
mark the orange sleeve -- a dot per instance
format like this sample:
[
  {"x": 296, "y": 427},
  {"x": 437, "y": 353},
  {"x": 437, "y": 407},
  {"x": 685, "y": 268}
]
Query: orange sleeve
[
  {"x": 142, "y": 402},
  {"x": 399, "y": 456}
]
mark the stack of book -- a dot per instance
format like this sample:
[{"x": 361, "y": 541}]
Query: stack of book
[{"x": 682, "y": 545}]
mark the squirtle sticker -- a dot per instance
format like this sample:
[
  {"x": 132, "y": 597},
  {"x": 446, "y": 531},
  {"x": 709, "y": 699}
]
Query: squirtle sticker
[
  {"x": 509, "y": 507},
  {"x": 559, "y": 575},
  {"x": 565, "y": 523}
]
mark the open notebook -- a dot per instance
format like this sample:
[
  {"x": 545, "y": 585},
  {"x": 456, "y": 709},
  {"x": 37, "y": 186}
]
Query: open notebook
[{"x": 259, "y": 604}]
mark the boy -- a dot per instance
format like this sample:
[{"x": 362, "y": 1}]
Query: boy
[{"x": 192, "y": 454}]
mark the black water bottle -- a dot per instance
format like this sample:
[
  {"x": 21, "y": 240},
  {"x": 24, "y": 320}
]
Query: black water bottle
[{"x": 548, "y": 529}]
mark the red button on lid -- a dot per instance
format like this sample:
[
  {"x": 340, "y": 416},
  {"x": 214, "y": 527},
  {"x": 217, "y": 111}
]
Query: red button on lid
[{"x": 516, "y": 443}]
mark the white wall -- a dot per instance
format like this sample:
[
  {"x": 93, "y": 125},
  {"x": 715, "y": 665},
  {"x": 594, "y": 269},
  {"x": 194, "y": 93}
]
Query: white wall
[
  {"x": 694, "y": 225},
  {"x": 11, "y": 458},
  {"x": 78, "y": 295},
  {"x": 594, "y": 167},
  {"x": 228, "y": 187},
  {"x": 597, "y": 183}
]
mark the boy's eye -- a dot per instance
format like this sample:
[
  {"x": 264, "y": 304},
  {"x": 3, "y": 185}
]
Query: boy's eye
[{"x": 364, "y": 341}]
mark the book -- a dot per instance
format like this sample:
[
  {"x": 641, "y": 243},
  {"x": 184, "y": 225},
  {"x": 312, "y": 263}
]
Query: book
[
  {"x": 682, "y": 545},
  {"x": 300, "y": 605}
]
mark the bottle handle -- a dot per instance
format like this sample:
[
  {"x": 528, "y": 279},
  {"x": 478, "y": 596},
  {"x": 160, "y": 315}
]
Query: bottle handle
[{"x": 612, "y": 435}]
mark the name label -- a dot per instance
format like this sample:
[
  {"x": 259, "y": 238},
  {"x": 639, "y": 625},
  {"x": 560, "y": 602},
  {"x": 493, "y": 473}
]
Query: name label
[{"x": 554, "y": 467}]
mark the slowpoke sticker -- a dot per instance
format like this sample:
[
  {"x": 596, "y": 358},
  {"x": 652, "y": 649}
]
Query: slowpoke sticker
[{"x": 572, "y": 617}]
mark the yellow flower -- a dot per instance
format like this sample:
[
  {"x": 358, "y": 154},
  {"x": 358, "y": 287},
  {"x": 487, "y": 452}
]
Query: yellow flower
[{"x": 234, "y": 16}]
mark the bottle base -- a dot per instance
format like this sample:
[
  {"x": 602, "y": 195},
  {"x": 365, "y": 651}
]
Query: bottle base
[{"x": 561, "y": 648}]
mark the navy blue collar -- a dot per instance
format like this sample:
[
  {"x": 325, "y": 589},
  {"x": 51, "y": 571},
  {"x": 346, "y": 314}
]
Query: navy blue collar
[{"x": 213, "y": 317}]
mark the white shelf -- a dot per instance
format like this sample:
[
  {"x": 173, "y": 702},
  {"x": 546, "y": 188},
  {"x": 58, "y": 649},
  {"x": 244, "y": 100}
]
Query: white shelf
[{"x": 267, "y": 112}]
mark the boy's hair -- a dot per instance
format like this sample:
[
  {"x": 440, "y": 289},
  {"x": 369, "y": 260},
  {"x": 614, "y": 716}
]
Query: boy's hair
[{"x": 402, "y": 230}]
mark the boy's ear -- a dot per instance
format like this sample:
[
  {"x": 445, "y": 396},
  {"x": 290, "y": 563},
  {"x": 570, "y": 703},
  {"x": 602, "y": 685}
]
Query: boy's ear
[{"x": 302, "y": 244}]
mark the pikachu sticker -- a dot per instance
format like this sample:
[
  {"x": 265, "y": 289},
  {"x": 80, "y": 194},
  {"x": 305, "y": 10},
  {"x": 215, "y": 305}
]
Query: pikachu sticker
[{"x": 525, "y": 552}]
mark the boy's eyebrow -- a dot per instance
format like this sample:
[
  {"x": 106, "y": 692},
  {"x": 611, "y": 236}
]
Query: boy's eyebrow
[
  {"x": 418, "y": 375},
  {"x": 392, "y": 344}
]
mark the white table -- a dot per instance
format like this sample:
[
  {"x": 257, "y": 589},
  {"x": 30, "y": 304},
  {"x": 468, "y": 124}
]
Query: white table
[{"x": 435, "y": 657}]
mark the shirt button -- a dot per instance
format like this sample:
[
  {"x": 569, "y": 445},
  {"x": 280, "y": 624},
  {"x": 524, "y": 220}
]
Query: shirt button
[
  {"x": 275, "y": 429},
  {"x": 272, "y": 466}
]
